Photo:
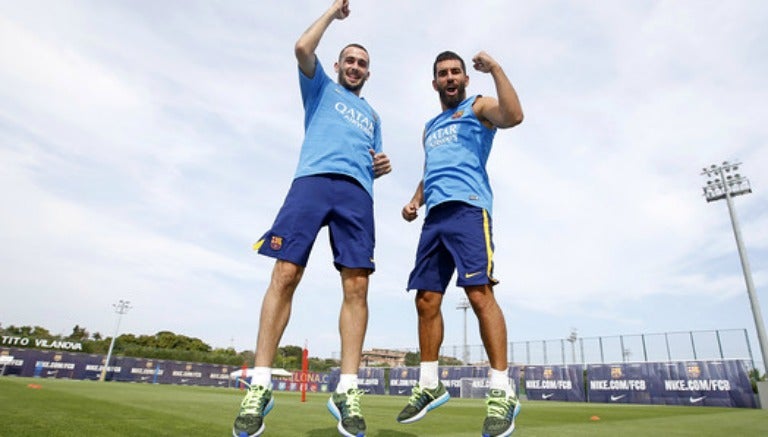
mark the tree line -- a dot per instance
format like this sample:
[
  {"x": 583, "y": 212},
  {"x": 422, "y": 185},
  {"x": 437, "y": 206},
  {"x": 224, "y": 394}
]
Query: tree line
[{"x": 167, "y": 345}]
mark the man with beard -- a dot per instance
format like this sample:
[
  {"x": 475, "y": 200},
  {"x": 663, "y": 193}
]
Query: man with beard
[
  {"x": 333, "y": 186},
  {"x": 456, "y": 234}
]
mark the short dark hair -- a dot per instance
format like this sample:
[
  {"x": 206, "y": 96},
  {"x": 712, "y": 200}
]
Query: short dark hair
[
  {"x": 447, "y": 56},
  {"x": 359, "y": 46}
]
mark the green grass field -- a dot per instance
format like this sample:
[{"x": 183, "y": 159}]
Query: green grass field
[{"x": 53, "y": 407}]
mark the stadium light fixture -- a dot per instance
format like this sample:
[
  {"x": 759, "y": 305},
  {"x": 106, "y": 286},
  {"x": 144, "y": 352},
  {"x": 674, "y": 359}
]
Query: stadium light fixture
[
  {"x": 572, "y": 339},
  {"x": 121, "y": 308},
  {"x": 724, "y": 183},
  {"x": 464, "y": 305}
]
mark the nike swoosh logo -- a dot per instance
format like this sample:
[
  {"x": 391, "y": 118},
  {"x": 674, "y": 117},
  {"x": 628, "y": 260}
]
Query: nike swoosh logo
[
  {"x": 617, "y": 398},
  {"x": 471, "y": 275},
  {"x": 547, "y": 396},
  {"x": 697, "y": 400}
]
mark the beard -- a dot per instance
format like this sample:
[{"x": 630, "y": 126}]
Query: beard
[
  {"x": 454, "y": 100},
  {"x": 343, "y": 82}
]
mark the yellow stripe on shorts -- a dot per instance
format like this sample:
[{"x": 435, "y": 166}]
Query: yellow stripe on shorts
[{"x": 488, "y": 248}]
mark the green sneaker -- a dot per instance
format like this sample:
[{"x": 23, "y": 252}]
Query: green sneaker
[
  {"x": 345, "y": 407},
  {"x": 421, "y": 401},
  {"x": 258, "y": 402},
  {"x": 502, "y": 410}
]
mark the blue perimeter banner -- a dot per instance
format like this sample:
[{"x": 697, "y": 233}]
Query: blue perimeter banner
[
  {"x": 621, "y": 383},
  {"x": 369, "y": 379},
  {"x": 555, "y": 383},
  {"x": 71, "y": 365},
  {"x": 317, "y": 382},
  {"x": 403, "y": 379},
  {"x": 693, "y": 383}
]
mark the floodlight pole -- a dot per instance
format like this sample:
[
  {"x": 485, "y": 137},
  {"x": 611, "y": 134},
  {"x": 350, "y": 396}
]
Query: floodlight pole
[
  {"x": 572, "y": 339},
  {"x": 464, "y": 305},
  {"x": 121, "y": 308},
  {"x": 725, "y": 186}
]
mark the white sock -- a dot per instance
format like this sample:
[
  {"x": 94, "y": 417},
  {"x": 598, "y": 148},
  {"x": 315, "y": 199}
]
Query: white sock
[
  {"x": 262, "y": 376},
  {"x": 347, "y": 381},
  {"x": 428, "y": 374},
  {"x": 499, "y": 380}
]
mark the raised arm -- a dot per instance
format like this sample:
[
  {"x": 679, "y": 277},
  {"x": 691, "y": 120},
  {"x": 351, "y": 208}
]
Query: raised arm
[
  {"x": 506, "y": 111},
  {"x": 310, "y": 39}
]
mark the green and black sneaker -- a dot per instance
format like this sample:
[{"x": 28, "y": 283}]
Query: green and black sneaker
[
  {"x": 345, "y": 407},
  {"x": 502, "y": 410},
  {"x": 258, "y": 402},
  {"x": 421, "y": 401}
]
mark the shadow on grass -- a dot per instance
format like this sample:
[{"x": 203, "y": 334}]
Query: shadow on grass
[
  {"x": 393, "y": 433},
  {"x": 322, "y": 432},
  {"x": 325, "y": 432}
]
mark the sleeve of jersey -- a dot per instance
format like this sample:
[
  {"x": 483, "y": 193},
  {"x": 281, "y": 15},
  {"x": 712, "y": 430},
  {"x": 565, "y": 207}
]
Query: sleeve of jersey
[{"x": 312, "y": 87}]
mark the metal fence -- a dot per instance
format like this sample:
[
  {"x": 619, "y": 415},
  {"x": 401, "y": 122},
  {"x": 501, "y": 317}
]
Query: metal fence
[{"x": 665, "y": 346}]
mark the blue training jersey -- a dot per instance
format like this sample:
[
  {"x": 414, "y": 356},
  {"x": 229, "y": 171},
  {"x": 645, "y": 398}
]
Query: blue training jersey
[
  {"x": 456, "y": 149},
  {"x": 339, "y": 129}
]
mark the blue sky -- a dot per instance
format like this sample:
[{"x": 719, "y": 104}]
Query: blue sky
[{"x": 145, "y": 145}]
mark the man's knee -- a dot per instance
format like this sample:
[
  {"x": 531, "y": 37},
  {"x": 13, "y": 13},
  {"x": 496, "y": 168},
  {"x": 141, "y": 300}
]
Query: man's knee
[
  {"x": 428, "y": 302},
  {"x": 480, "y": 297},
  {"x": 355, "y": 283},
  {"x": 286, "y": 275}
]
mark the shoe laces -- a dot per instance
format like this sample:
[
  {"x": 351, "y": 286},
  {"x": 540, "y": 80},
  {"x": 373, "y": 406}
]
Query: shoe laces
[
  {"x": 417, "y": 396},
  {"x": 352, "y": 402},
  {"x": 254, "y": 399},
  {"x": 499, "y": 406}
]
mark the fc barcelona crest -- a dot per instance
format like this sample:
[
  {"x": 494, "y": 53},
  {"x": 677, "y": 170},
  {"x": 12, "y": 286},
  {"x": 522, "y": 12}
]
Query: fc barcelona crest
[
  {"x": 693, "y": 370},
  {"x": 616, "y": 372},
  {"x": 457, "y": 114},
  {"x": 276, "y": 243}
]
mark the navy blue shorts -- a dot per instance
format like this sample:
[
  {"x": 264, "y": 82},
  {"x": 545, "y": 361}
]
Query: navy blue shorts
[
  {"x": 336, "y": 201},
  {"x": 455, "y": 236}
]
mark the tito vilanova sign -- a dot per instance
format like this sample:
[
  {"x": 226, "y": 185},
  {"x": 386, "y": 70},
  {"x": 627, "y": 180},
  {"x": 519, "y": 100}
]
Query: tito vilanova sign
[{"x": 40, "y": 343}]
